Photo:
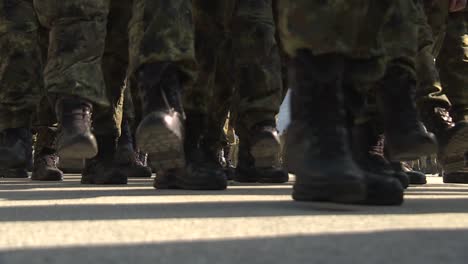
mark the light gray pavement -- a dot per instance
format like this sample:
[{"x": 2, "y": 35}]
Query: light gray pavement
[{"x": 71, "y": 223}]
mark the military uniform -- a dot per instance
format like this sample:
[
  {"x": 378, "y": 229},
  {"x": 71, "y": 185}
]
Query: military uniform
[
  {"x": 239, "y": 70},
  {"x": 453, "y": 66},
  {"x": 20, "y": 56},
  {"x": 20, "y": 75},
  {"x": 238, "y": 57},
  {"x": 431, "y": 20},
  {"x": 88, "y": 60},
  {"x": 88, "y": 55},
  {"x": 339, "y": 52}
]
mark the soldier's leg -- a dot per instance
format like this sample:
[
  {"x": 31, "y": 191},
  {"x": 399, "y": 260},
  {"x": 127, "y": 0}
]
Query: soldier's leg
[
  {"x": 128, "y": 156},
  {"x": 20, "y": 78},
  {"x": 111, "y": 166},
  {"x": 431, "y": 20},
  {"x": 258, "y": 73},
  {"x": 45, "y": 125},
  {"x": 73, "y": 74},
  {"x": 322, "y": 59},
  {"x": 203, "y": 170},
  {"x": 316, "y": 145},
  {"x": 453, "y": 64},
  {"x": 162, "y": 61},
  {"x": 45, "y": 153}
]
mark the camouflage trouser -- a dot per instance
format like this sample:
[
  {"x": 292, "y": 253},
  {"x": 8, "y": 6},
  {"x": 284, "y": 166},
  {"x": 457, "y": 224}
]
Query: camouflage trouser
[
  {"x": 432, "y": 19},
  {"x": 453, "y": 64},
  {"x": 160, "y": 31},
  {"x": 353, "y": 29},
  {"x": 239, "y": 64},
  {"x": 372, "y": 36},
  {"x": 21, "y": 63},
  {"x": 88, "y": 54}
]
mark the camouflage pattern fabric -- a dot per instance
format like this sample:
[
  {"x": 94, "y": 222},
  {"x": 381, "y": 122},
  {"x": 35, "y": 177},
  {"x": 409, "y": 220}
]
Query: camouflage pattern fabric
[
  {"x": 20, "y": 63},
  {"x": 431, "y": 20},
  {"x": 453, "y": 64},
  {"x": 348, "y": 27},
  {"x": 88, "y": 55},
  {"x": 239, "y": 63},
  {"x": 162, "y": 31},
  {"x": 77, "y": 42}
]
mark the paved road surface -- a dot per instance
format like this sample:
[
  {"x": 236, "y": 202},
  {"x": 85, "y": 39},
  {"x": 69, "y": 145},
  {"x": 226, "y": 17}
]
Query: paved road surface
[{"x": 71, "y": 223}]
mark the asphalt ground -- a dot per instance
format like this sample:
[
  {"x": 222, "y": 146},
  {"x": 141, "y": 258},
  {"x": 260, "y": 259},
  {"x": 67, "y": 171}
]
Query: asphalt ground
[{"x": 72, "y": 223}]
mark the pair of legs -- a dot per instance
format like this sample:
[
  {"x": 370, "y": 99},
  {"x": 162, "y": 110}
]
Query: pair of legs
[
  {"x": 332, "y": 69},
  {"x": 20, "y": 84},
  {"x": 84, "y": 78},
  {"x": 243, "y": 77}
]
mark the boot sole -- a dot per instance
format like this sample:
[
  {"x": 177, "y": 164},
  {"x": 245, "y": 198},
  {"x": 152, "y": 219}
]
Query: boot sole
[
  {"x": 79, "y": 147},
  {"x": 275, "y": 180},
  {"x": 13, "y": 174},
  {"x": 389, "y": 199},
  {"x": 178, "y": 182},
  {"x": 460, "y": 177},
  {"x": 343, "y": 192},
  {"x": 48, "y": 178},
  {"x": 416, "y": 180},
  {"x": 111, "y": 181},
  {"x": 137, "y": 172},
  {"x": 265, "y": 152},
  {"x": 9, "y": 159},
  {"x": 284, "y": 179},
  {"x": 164, "y": 147}
]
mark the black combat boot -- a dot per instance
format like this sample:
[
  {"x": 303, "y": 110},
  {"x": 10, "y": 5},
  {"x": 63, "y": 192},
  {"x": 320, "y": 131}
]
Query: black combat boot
[
  {"x": 161, "y": 132},
  {"x": 102, "y": 168},
  {"x": 318, "y": 149},
  {"x": 45, "y": 156},
  {"x": 368, "y": 147},
  {"x": 415, "y": 177},
  {"x": 75, "y": 139},
  {"x": 459, "y": 175},
  {"x": 131, "y": 162},
  {"x": 452, "y": 137},
  {"x": 406, "y": 137},
  {"x": 15, "y": 152},
  {"x": 203, "y": 170},
  {"x": 259, "y": 151}
]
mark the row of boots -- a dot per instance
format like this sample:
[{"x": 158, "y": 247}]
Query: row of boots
[{"x": 338, "y": 161}]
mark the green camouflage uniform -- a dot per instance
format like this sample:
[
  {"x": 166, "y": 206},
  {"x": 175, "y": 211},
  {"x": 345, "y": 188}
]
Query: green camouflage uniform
[
  {"x": 453, "y": 64},
  {"x": 431, "y": 20},
  {"x": 373, "y": 36},
  {"x": 357, "y": 35},
  {"x": 370, "y": 34},
  {"x": 21, "y": 63},
  {"x": 239, "y": 63},
  {"x": 160, "y": 31},
  {"x": 88, "y": 55}
]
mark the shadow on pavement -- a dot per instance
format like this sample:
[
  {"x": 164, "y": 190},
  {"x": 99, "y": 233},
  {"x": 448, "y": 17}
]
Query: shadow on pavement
[
  {"x": 122, "y": 191},
  {"x": 387, "y": 247},
  {"x": 220, "y": 209}
]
